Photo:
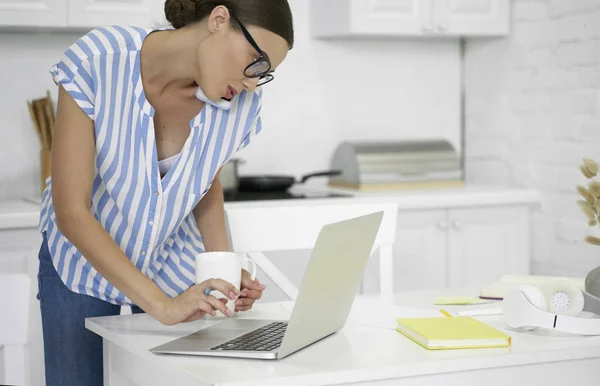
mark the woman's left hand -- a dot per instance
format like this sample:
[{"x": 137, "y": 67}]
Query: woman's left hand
[{"x": 250, "y": 291}]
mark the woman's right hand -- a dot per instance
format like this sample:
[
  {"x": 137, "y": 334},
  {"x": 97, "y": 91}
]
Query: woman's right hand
[{"x": 193, "y": 304}]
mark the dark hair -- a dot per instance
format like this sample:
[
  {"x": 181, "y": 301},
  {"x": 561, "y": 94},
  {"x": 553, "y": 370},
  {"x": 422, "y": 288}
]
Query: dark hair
[{"x": 272, "y": 15}]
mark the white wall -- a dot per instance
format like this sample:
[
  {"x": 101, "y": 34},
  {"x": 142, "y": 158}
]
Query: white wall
[
  {"x": 330, "y": 91},
  {"x": 533, "y": 113},
  {"x": 324, "y": 93},
  {"x": 24, "y": 62}
]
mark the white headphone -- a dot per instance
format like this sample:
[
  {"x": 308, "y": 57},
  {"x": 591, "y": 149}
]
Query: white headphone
[{"x": 552, "y": 306}]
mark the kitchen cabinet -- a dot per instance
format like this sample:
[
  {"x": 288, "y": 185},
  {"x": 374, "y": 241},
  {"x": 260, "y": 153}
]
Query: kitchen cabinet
[
  {"x": 369, "y": 17},
  {"x": 33, "y": 13},
  {"x": 94, "y": 13},
  {"x": 424, "y": 18},
  {"x": 471, "y": 17},
  {"x": 455, "y": 247},
  {"x": 19, "y": 249},
  {"x": 486, "y": 243},
  {"x": 420, "y": 249},
  {"x": 86, "y": 14}
]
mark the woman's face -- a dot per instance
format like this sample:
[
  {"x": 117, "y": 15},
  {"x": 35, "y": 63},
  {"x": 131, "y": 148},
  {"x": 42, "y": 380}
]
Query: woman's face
[{"x": 225, "y": 54}]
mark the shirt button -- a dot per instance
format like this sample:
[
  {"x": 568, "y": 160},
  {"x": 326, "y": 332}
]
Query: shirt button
[
  {"x": 156, "y": 193},
  {"x": 150, "y": 222},
  {"x": 143, "y": 253}
]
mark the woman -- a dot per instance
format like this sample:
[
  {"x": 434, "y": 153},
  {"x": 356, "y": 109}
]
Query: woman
[{"x": 145, "y": 120}]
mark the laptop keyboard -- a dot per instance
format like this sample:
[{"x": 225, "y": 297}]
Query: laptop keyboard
[{"x": 265, "y": 338}]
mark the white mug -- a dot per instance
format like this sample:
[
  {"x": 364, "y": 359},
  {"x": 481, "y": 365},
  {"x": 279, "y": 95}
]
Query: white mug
[{"x": 226, "y": 266}]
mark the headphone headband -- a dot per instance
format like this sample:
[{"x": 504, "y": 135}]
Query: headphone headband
[{"x": 519, "y": 312}]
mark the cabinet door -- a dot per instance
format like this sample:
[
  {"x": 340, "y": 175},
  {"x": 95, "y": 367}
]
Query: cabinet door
[
  {"x": 391, "y": 17},
  {"x": 39, "y": 13},
  {"x": 19, "y": 250},
  {"x": 420, "y": 250},
  {"x": 472, "y": 17},
  {"x": 486, "y": 243},
  {"x": 98, "y": 13}
]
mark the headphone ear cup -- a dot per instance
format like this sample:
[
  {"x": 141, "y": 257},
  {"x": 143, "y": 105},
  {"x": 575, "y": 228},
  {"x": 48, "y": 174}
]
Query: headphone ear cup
[
  {"x": 534, "y": 295},
  {"x": 563, "y": 297}
]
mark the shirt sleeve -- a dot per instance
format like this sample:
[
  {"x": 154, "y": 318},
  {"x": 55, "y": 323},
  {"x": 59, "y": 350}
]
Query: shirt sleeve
[
  {"x": 74, "y": 73},
  {"x": 256, "y": 120}
]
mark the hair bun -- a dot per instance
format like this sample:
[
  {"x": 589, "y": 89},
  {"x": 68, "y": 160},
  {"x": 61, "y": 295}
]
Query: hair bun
[{"x": 180, "y": 12}]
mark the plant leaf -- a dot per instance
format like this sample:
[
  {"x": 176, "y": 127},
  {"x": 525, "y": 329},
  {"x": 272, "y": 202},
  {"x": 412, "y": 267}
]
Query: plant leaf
[
  {"x": 594, "y": 188},
  {"x": 586, "y": 194},
  {"x": 584, "y": 205},
  {"x": 592, "y": 240},
  {"x": 589, "y": 213},
  {"x": 591, "y": 166},
  {"x": 585, "y": 172},
  {"x": 596, "y": 205}
]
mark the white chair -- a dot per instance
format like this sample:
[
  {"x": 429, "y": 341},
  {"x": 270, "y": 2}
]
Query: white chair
[
  {"x": 14, "y": 322},
  {"x": 266, "y": 227}
]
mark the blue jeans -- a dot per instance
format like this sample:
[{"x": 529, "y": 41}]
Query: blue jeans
[{"x": 72, "y": 354}]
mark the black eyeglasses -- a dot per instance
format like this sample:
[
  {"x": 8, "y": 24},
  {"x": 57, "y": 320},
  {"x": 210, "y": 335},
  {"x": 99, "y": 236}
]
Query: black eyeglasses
[{"x": 260, "y": 67}]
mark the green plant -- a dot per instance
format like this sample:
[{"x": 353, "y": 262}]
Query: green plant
[{"x": 590, "y": 204}]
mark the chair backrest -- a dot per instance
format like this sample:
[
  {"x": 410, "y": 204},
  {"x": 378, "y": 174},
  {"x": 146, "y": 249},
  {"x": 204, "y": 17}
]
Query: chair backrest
[
  {"x": 14, "y": 303},
  {"x": 268, "y": 227},
  {"x": 265, "y": 227}
]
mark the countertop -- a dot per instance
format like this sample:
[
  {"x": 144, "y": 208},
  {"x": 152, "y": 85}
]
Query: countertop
[
  {"x": 24, "y": 213},
  {"x": 366, "y": 349},
  {"x": 470, "y": 195},
  {"x": 17, "y": 214}
]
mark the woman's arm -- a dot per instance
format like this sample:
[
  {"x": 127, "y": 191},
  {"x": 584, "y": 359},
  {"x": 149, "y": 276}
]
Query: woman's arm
[
  {"x": 210, "y": 216},
  {"x": 72, "y": 171}
]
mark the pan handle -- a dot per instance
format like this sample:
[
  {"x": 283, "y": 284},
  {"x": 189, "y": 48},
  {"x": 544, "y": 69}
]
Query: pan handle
[{"x": 321, "y": 174}]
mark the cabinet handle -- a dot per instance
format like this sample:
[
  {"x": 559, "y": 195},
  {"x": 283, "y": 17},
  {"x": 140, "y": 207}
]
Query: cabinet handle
[
  {"x": 442, "y": 224},
  {"x": 441, "y": 27},
  {"x": 456, "y": 225}
]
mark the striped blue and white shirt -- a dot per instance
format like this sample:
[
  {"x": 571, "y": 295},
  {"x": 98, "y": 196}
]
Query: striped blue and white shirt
[{"x": 149, "y": 217}]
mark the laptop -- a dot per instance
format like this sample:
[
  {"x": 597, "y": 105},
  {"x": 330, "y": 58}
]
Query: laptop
[{"x": 325, "y": 297}]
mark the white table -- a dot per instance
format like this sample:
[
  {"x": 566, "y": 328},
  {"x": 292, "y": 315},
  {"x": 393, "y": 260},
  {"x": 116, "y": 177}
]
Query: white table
[{"x": 366, "y": 351}]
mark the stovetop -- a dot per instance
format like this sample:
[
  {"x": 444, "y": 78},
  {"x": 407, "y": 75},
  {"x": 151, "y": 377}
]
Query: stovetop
[{"x": 277, "y": 195}]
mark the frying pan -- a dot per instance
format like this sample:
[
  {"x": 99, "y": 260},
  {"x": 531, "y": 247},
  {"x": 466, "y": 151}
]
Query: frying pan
[{"x": 269, "y": 183}]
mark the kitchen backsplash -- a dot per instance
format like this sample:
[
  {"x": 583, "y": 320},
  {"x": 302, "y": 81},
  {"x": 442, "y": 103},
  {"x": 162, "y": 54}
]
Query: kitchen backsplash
[{"x": 324, "y": 93}]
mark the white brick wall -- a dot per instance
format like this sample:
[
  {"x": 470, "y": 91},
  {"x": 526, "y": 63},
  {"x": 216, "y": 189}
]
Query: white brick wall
[{"x": 533, "y": 112}]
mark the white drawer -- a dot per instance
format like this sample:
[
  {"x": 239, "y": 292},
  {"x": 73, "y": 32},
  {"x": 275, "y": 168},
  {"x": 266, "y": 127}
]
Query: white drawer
[{"x": 19, "y": 239}]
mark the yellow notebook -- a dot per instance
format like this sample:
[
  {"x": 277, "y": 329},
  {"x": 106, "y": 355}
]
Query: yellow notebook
[{"x": 451, "y": 333}]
